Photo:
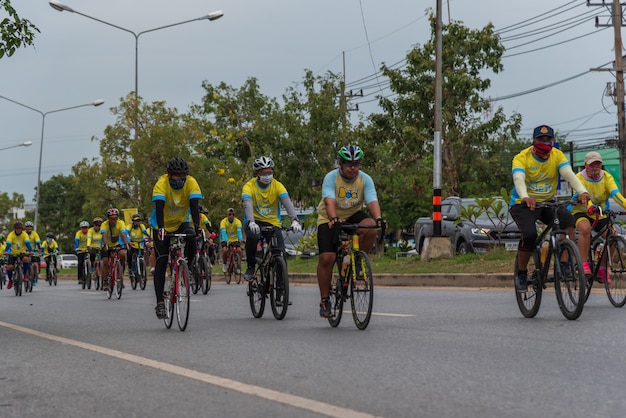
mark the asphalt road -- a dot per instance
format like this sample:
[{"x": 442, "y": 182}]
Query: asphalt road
[{"x": 427, "y": 352}]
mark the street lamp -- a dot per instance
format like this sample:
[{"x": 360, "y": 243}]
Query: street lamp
[
  {"x": 56, "y": 5},
  {"x": 23, "y": 144},
  {"x": 43, "y": 124}
]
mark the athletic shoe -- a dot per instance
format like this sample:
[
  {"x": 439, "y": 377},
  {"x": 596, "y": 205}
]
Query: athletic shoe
[
  {"x": 325, "y": 308},
  {"x": 521, "y": 285},
  {"x": 587, "y": 268},
  {"x": 10, "y": 285},
  {"x": 565, "y": 271},
  {"x": 224, "y": 268},
  {"x": 160, "y": 310},
  {"x": 604, "y": 274},
  {"x": 249, "y": 274}
]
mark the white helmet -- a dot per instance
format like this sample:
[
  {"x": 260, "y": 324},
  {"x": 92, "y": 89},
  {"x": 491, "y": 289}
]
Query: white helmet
[
  {"x": 84, "y": 224},
  {"x": 262, "y": 162}
]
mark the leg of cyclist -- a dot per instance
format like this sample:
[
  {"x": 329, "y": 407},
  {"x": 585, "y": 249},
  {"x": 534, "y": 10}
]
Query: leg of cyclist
[
  {"x": 584, "y": 238},
  {"x": 122, "y": 255},
  {"x": 81, "y": 265},
  {"x": 160, "y": 249},
  {"x": 191, "y": 246},
  {"x": 225, "y": 250},
  {"x": 526, "y": 222},
  {"x": 105, "y": 268},
  {"x": 326, "y": 242}
]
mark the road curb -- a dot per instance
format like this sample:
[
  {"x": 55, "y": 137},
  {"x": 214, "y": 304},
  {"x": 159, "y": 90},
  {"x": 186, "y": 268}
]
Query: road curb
[{"x": 400, "y": 280}]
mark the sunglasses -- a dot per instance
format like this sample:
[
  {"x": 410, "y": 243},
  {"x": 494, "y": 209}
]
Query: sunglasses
[{"x": 352, "y": 164}]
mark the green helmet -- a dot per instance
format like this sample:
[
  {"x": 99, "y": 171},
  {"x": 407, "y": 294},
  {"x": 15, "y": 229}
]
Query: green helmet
[{"x": 351, "y": 153}]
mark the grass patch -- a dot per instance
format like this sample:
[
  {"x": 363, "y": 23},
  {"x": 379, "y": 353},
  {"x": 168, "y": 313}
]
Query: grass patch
[{"x": 494, "y": 261}]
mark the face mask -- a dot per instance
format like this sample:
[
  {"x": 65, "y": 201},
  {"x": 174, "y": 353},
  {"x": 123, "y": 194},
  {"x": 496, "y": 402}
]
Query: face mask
[
  {"x": 177, "y": 184},
  {"x": 49, "y": 240},
  {"x": 543, "y": 147},
  {"x": 267, "y": 179}
]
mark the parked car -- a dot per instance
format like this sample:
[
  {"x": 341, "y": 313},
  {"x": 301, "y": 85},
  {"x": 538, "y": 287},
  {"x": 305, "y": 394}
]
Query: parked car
[
  {"x": 66, "y": 261},
  {"x": 466, "y": 236},
  {"x": 292, "y": 241}
]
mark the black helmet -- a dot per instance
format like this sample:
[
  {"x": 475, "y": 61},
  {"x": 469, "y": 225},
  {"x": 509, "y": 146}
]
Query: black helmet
[
  {"x": 49, "y": 235},
  {"x": 177, "y": 166},
  {"x": 18, "y": 224},
  {"x": 135, "y": 217}
]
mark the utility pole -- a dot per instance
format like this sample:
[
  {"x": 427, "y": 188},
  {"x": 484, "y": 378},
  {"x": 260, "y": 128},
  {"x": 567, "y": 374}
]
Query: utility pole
[
  {"x": 617, "y": 21},
  {"x": 343, "y": 100}
]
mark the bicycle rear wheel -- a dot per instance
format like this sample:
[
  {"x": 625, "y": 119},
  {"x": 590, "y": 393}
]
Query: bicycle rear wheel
[
  {"x": 362, "y": 290},
  {"x": 256, "y": 292},
  {"x": 530, "y": 301},
  {"x": 18, "y": 277},
  {"x": 182, "y": 297},
  {"x": 141, "y": 270},
  {"x": 336, "y": 296},
  {"x": 615, "y": 265},
  {"x": 205, "y": 274},
  {"x": 54, "y": 275},
  {"x": 279, "y": 291},
  {"x": 195, "y": 275},
  {"x": 85, "y": 274},
  {"x": 570, "y": 287}
]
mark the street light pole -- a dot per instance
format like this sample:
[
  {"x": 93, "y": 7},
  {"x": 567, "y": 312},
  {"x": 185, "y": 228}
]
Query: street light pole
[
  {"x": 62, "y": 7},
  {"x": 23, "y": 144},
  {"x": 43, "y": 124}
]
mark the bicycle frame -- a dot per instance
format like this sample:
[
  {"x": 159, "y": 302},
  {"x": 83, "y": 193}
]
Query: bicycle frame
[{"x": 171, "y": 292}]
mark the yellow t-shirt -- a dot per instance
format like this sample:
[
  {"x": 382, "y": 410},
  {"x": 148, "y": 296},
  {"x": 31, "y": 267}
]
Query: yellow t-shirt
[
  {"x": 176, "y": 209},
  {"x": 137, "y": 236},
  {"x": 114, "y": 232},
  {"x": 542, "y": 176},
  {"x": 599, "y": 192},
  {"x": 230, "y": 231},
  {"x": 18, "y": 244},
  {"x": 265, "y": 201},
  {"x": 94, "y": 238}
]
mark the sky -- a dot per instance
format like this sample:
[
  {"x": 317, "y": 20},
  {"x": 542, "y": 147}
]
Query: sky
[{"x": 77, "y": 60}]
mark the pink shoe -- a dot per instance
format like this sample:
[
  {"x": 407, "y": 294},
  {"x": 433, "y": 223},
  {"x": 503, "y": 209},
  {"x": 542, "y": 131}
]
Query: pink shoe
[
  {"x": 602, "y": 273},
  {"x": 587, "y": 268}
]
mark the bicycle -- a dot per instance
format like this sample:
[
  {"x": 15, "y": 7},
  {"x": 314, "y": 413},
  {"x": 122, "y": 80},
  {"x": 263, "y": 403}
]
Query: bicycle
[
  {"x": 609, "y": 254},
  {"x": 176, "y": 291},
  {"x": 202, "y": 271},
  {"x": 18, "y": 275},
  {"x": 138, "y": 270},
  {"x": 270, "y": 277},
  {"x": 116, "y": 274},
  {"x": 353, "y": 278},
  {"x": 87, "y": 270},
  {"x": 29, "y": 278},
  {"x": 51, "y": 269},
  {"x": 97, "y": 270},
  {"x": 569, "y": 283},
  {"x": 233, "y": 264}
]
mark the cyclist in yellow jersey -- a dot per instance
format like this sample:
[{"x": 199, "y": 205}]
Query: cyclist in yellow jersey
[
  {"x": 137, "y": 234},
  {"x": 50, "y": 250},
  {"x": 601, "y": 186},
  {"x": 80, "y": 248},
  {"x": 210, "y": 233},
  {"x": 176, "y": 196},
  {"x": 3, "y": 244},
  {"x": 35, "y": 241},
  {"x": 536, "y": 170},
  {"x": 18, "y": 245},
  {"x": 94, "y": 240},
  {"x": 344, "y": 192},
  {"x": 114, "y": 236},
  {"x": 230, "y": 233},
  {"x": 262, "y": 197}
]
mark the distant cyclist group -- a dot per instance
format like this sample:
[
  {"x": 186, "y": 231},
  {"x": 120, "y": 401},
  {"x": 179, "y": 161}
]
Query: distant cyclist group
[{"x": 177, "y": 211}]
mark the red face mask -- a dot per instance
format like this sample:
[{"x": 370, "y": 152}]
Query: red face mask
[{"x": 543, "y": 147}]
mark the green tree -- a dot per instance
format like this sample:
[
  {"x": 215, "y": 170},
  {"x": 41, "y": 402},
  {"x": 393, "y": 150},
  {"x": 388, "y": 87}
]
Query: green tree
[
  {"x": 474, "y": 134},
  {"x": 15, "y": 32}
]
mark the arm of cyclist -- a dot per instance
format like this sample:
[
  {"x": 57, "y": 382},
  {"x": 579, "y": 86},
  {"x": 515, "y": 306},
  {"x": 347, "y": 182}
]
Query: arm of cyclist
[
  {"x": 247, "y": 207},
  {"x": 568, "y": 174},
  {"x": 291, "y": 211}
]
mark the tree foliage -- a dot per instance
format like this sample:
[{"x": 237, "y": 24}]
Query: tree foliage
[{"x": 15, "y": 31}]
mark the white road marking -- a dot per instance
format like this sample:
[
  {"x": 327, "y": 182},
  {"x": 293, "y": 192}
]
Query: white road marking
[{"x": 312, "y": 405}]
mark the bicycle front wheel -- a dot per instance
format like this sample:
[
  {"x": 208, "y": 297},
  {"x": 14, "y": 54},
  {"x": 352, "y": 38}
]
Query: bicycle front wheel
[
  {"x": 256, "y": 292},
  {"x": 615, "y": 268},
  {"x": 195, "y": 276},
  {"x": 279, "y": 292},
  {"x": 141, "y": 270},
  {"x": 205, "y": 274},
  {"x": 530, "y": 301},
  {"x": 119, "y": 279},
  {"x": 237, "y": 268},
  {"x": 362, "y": 290},
  {"x": 182, "y": 297},
  {"x": 570, "y": 283},
  {"x": 17, "y": 280},
  {"x": 336, "y": 295},
  {"x": 85, "y": 274}
]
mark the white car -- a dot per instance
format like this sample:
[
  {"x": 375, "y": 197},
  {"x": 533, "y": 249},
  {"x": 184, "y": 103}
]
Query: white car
[{"x": 66, "y": 261}]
